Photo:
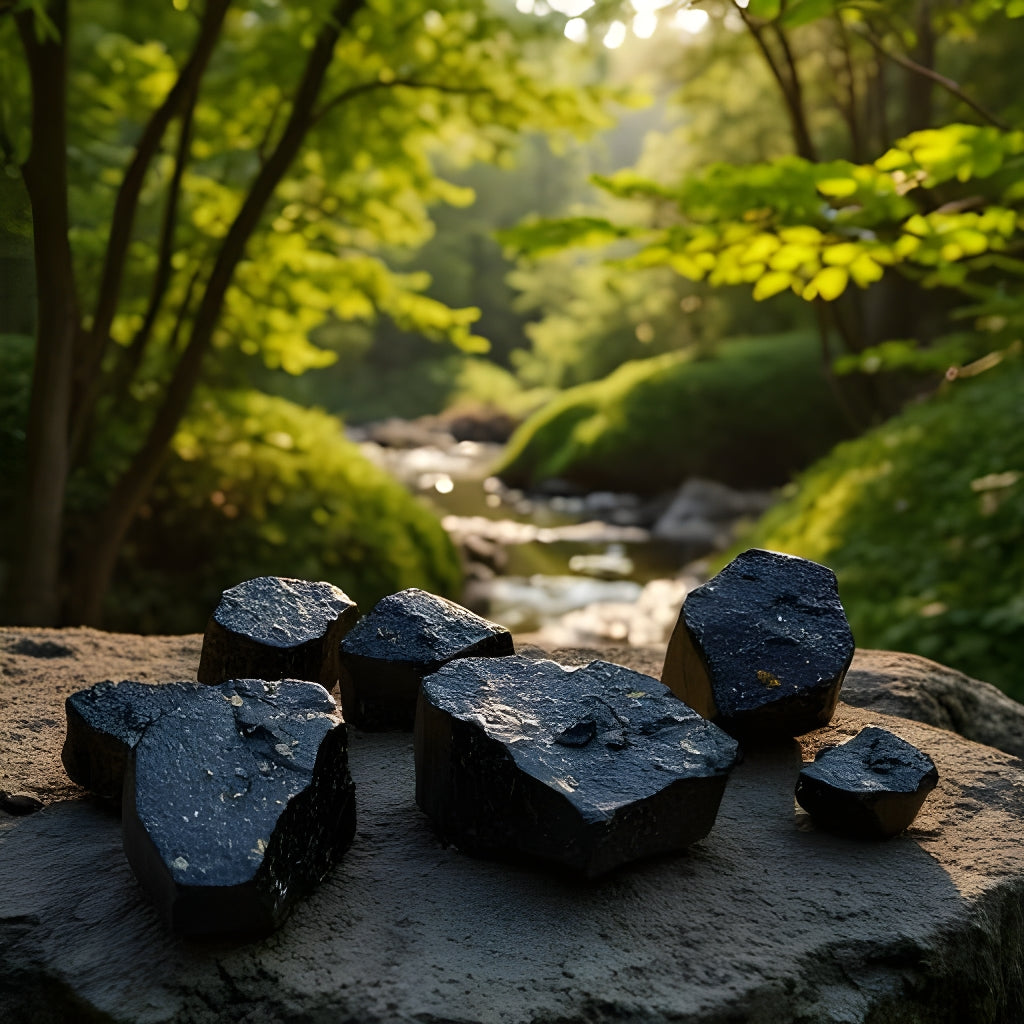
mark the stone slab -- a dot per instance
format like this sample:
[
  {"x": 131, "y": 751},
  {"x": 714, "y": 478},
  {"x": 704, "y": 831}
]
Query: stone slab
[{"x": 767, "y": 920}]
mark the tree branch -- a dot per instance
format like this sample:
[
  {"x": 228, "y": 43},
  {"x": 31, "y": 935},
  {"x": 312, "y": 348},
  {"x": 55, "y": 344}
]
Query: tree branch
[
  {"x": 130, "y": 358},
  {"x": 408, "y": 83},
  {"x": 939, "y": 79},
  {"x": 131, "y": 489},
  {"x": 788, "y": 83},
  {"x": 126, "y": 204}
]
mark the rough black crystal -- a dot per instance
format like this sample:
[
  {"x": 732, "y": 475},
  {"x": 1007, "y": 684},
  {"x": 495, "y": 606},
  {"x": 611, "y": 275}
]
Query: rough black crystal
[
  {"x": 104, "y": 724},
  {"x": 587, "y": 768},
  {"x": 763, "y": 647},
  {"x": 870, "y": 787},
  {"x": 408, "y": 635},
  {"x": 275, "y": 628},
  {"x": 236, "y": 798}
]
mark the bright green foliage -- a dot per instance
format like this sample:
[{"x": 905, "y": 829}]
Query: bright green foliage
[
  {"x": 749, "y": 415},
  {"x": 923, "y": 521},
  {"x": 258, "y": 486},
  {"x": 818, "y": 228}
]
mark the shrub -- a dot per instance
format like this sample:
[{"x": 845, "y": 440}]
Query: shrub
[
  {"x": 258, "y": 486},
  {"x": 923, "y": 521},
  {"x": 751, "y": 414}
]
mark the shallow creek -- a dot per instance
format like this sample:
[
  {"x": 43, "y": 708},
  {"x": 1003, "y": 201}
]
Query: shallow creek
[{"x": 574, "y": 568}]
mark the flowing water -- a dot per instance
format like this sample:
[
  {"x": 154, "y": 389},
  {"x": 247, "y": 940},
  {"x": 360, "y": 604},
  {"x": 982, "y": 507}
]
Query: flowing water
[{"x": 575, "y": 569}]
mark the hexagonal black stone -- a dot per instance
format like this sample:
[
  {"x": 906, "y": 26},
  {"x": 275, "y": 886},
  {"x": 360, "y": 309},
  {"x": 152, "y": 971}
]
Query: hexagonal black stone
[
  {"x": 276, "y": 628},
  {"x": 870, "y": 787},
  {"x": 408, "y": 635},
  {"x": 763, "y": 647},
  {"x": 587, "y": 769},
  {"x": 236, "y": 798}
]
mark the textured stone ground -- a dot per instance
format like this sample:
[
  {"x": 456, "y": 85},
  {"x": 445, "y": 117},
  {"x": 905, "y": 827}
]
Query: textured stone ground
[{"x": 767, "y": 920}]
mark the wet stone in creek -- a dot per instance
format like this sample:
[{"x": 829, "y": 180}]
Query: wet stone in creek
[
  {"x": 763, "y": 647},
  {"x": 870, "y": 787},
  {"x": 587, "y": 769},
  {"x": 408, "y": 635},
  {"x": 237, "y": 798},
  {"x": 276, "y": 628}
]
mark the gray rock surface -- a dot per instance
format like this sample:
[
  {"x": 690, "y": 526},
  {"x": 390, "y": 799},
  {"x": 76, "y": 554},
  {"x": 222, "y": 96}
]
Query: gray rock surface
[
  {"x": 585, "y": 769},
  {"x": 767, "y": 920}
]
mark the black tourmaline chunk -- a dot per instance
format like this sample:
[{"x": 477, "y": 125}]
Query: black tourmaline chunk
[
  {"x": 407, "y": 636},
  {"x": 236, "y": 798},
  {"x": 871, "y": 786},
  {"x": 587, "y": 768},
  {"x": 763, "y": 647},
  {"x": 104, "y": 724},
  {"x": 275, "y": 628}
]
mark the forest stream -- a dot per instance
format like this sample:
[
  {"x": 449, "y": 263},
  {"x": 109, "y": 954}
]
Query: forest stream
[{"x": 574, "y": 568}]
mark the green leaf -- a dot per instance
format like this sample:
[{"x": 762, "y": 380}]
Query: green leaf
[
  {"x": 802, "y": 12},
  {"x": 767, "y": 9},
  {"x": 772, "y": 283},
  {"x": 827, "y": 284}
]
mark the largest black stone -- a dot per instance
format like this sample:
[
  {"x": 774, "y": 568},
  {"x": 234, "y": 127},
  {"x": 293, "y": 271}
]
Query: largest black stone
[
  {"x": 236, "y": 798},
  {"x": 763, "y": 647},
  {"x": 277, "y": 628},
  {"x": 588, "y": 768},
  {"x": 408, "y": 635}
]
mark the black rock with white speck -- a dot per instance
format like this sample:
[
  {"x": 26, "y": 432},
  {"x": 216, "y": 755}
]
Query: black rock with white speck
[
  {"x": 763, "y": 647},
  {"x": 870, "y": 787},
  {"x": 104, "y": 724},
  {"x": 237, "y": 798},
  {"x": 408, "y": 635},
  {"x": 276, "y": 628},
  {"x": 587, "y": 769}
]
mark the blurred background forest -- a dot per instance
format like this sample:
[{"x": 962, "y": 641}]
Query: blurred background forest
[{"x": 544, "y": 305}]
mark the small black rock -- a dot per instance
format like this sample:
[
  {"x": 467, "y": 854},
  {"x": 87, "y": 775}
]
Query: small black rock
[
  {"x": 870, "y": 787},
  {"x": 588, "y": 768},
  {"x": 408, "y": 635},
  {"x": 275, "y": 628},
  {"x": 236, "y": 798},
  {"x": 104, "y": 724},
  {"x": 19, "y": 804},
  {"x": 762, "y": 648}
]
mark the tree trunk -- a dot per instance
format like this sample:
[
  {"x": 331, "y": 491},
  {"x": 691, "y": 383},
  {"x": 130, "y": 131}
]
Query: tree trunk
[
  {"x": 97, "y": 559},
  {"x": 36, "y": 583}
]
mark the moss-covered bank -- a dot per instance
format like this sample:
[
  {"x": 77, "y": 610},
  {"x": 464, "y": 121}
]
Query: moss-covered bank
[
  {"x": 750, "y": 415},
  {"x": 923, "y": 521}
]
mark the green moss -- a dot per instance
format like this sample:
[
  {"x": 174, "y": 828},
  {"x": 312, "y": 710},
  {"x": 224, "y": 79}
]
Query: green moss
[
  {"x": 923, "y": 521},
  {"x": 752, "y": 414},
  {"x": 258, "y": 486}
]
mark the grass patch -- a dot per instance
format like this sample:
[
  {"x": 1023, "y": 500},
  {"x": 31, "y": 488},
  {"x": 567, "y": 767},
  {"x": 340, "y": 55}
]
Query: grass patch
[
  {"x": 751, "y": 414},
  {"x": 923, "y": 521}
]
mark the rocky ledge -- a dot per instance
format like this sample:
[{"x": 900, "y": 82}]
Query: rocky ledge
[{"x": 767, "y": 919}]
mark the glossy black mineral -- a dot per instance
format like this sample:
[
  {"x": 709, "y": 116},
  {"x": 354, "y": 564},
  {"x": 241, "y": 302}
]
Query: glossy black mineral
[
  {"x": 276, "y": 628},
  {"x": 870, "y": 787},
  {"x": 587, "y": 769},
  {"x": 408, "y": 635},
  {"x": 104, "y": 724},
  {"x": 236, "y": 798},
  {"x": 763, "y": 647}
]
